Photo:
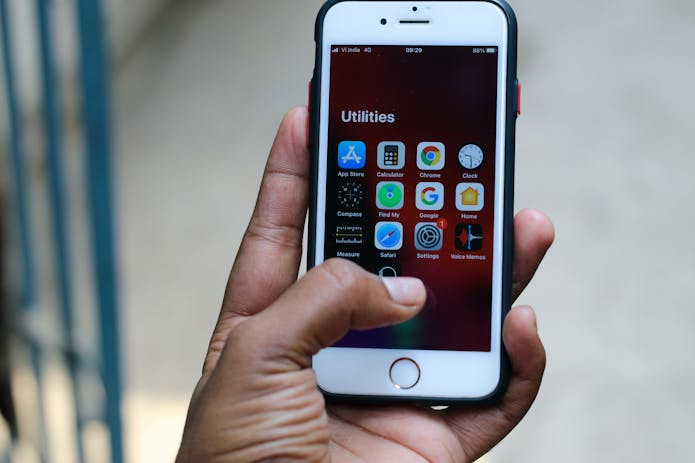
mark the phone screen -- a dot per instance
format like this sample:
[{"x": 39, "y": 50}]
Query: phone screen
[{"x": 412, "y": 141}]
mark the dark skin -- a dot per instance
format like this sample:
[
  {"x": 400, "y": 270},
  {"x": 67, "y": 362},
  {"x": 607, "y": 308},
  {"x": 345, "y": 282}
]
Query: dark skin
[{"x": 257, "y": 398}]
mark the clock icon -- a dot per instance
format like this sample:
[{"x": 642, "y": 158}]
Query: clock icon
[
  {"x": 471, "y": 156},
  {"x": 350, "y": 195}
]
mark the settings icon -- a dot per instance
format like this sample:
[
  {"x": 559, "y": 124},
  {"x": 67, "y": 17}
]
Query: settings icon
[{"x": 428, "y": 237}]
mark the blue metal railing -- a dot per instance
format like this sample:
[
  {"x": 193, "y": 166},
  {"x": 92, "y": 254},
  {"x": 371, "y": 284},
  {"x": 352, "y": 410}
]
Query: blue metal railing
[
  {"x": 95, "y": 103},
  {"x": 95, "y": 99},
  {"x": 58, "y": 205},
  {"x": 18, "y": 157},
  {"x": 27, "y": 292}
]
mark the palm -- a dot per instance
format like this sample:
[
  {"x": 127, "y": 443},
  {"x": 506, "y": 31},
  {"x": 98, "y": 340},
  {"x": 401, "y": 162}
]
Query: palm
[
  {"x": 400, "y": 433},
  {"x": 409, "y": 433}
]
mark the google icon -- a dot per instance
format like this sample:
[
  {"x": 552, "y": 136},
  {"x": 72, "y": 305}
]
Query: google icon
[
  {"x": 430, "y": 156},
  {"x": 429, "y": 196}
]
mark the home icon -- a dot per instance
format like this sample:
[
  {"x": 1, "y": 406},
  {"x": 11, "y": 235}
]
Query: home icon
[{"x": 470, "y": 196}]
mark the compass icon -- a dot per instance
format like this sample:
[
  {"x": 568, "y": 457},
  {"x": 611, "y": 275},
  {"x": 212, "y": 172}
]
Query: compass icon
[{"x": 350, "y": 195}]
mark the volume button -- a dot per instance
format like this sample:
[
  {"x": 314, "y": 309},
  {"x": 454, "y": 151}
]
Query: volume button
[{"x": 308, "y": 120}]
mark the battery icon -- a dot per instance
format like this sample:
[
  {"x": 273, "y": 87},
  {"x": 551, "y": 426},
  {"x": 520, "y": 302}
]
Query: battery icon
[{"x": 490, "y": 50}]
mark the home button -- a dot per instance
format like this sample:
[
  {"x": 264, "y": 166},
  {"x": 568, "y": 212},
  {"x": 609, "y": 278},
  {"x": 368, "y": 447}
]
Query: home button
[{"x": 404, "y": 373}]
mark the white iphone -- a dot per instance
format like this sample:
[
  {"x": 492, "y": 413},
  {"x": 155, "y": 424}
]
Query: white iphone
[{"x": 413, "y": 111}]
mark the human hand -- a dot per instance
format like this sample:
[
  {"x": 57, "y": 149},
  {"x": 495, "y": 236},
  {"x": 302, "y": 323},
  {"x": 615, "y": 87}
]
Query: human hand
[{"x": 257, "y": 399}]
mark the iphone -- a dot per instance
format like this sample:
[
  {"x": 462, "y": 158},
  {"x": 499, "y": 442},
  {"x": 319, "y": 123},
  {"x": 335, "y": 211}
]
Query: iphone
[{"x": 413, "y": 112}]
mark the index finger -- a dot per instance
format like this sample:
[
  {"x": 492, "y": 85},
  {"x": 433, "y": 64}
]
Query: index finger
[
  {"x": 533, "y": 235},
  {"x": 271, "y": 250}
]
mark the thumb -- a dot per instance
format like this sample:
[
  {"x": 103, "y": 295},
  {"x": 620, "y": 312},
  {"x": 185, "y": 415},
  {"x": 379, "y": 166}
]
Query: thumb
[{"x": 321, "y": 307}]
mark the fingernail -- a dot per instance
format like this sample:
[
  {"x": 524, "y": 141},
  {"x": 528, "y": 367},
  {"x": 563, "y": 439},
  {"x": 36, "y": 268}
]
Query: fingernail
[{"x": 405, "y": 290}]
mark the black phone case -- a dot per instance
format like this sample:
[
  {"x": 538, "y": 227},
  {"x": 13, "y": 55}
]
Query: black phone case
[{"x": 512, "y": 110}]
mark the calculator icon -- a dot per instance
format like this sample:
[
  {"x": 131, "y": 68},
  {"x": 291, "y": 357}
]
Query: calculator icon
[{"x": 391, "y": 155}]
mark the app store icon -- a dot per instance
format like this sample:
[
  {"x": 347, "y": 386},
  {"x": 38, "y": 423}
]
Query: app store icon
[{"x": 352, "y": 155}]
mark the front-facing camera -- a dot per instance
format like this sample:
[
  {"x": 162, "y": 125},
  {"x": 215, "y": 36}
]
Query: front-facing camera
[{"x": 383, "y": 21}]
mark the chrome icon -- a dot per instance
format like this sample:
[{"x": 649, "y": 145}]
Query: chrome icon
[{"x": 430, "y": 156}]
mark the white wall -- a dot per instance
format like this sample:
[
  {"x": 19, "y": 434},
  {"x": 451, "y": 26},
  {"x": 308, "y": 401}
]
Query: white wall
[{"x": 128, "y": 19}]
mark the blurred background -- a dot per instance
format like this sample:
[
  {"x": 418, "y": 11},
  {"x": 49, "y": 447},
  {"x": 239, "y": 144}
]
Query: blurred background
[{"x": 133, "y": 135}]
